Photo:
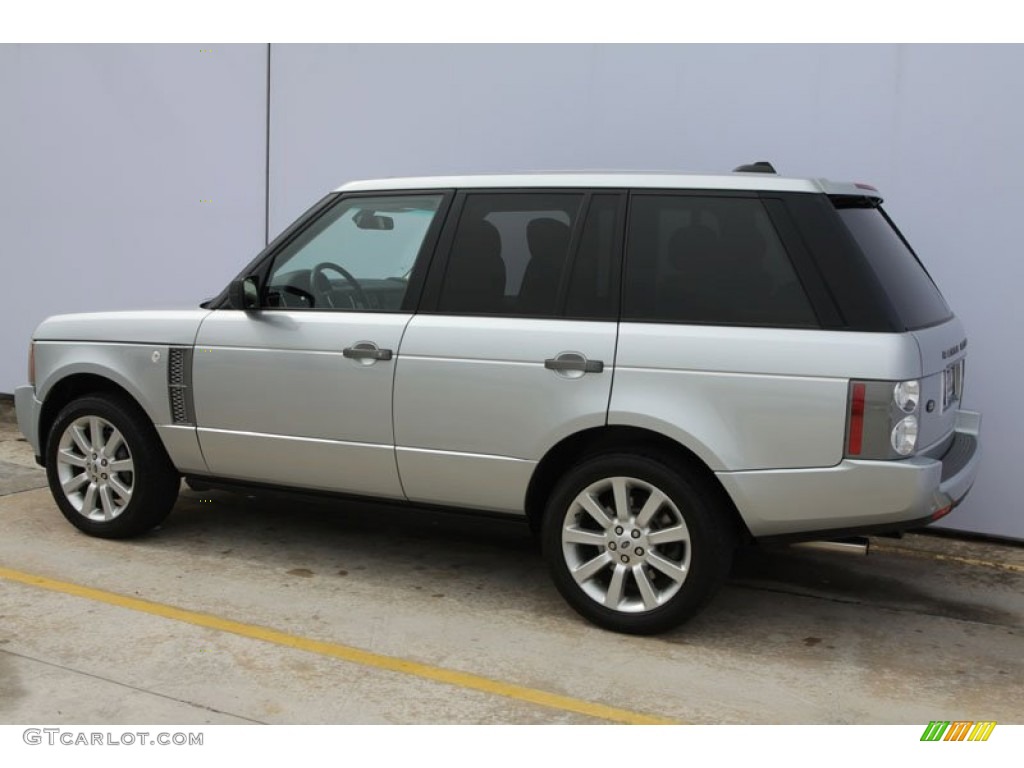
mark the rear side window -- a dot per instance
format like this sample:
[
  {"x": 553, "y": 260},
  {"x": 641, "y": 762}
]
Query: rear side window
[
  {"x": 718, "y": 260},
  {"x": 510, "y": 254},
  {"x": 913, "y": 295}
]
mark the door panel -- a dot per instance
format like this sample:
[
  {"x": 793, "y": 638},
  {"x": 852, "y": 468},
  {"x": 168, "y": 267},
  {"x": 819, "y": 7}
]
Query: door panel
[
  {"x": 498, "y": 374},
  {"x": 477, "y": 389},
  {"x": 277, "y": 401}
]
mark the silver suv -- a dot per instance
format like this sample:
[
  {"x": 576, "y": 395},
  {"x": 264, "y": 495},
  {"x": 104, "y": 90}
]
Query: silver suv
[{"x": 649, "y": 368}]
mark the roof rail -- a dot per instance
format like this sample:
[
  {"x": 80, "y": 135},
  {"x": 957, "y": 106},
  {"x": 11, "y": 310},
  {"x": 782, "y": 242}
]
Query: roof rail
[{"x": 762, "y": 166}]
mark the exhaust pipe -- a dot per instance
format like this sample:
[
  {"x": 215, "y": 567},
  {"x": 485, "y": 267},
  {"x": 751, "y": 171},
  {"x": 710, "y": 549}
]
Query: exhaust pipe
[{"x": 853, "y": 546}]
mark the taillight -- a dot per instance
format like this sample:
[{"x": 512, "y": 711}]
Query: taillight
[
  {"x": 32, "y": 363},
  {"x": 856, "y": 438},
  {"x": 881, "y": 419}
]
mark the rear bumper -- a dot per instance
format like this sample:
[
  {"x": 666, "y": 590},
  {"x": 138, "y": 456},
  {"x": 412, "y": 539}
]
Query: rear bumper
[
  {"x": 27, "y": 409},
  {"x": 858, "y": 496}
]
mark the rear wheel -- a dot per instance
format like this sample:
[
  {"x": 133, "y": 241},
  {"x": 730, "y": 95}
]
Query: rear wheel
[
  {"x": 107, "y": 469},
  {"x": 635, "y": 544}
]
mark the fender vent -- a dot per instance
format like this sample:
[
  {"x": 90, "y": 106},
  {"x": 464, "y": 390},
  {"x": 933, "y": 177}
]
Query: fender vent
[{"x": 179, "y": 385}]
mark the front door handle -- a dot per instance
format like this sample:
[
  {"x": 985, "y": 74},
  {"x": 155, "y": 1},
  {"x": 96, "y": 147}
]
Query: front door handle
[
  {"x": 573, "y": 361},
  {"x": 367, "y": 350}
]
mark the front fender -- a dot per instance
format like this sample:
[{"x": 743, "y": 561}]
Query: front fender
[{"x": 139, "y": 369}]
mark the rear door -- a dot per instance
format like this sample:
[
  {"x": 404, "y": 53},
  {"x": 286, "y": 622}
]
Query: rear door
[{"x": 514, "y": 346}]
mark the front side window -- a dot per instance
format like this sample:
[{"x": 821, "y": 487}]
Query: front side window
[
  {"x": 713, "y": 260},
  {"x": 356, "y": 257},
  {"x": 510, "y": 254}
]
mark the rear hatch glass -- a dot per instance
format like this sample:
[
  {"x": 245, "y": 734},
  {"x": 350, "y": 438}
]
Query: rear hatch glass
[{"x": 914, "y": 296}]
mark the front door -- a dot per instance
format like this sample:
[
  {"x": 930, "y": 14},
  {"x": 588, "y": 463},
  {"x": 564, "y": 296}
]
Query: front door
[{"x": 298, "y": 392}]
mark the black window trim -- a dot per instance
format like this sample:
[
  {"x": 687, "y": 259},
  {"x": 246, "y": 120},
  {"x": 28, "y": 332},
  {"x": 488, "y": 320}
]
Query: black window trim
[
  {"x": 431, "y": 296},
  {"x": 817, "y": 291},
  {"x": 860, "y": 299},
  {"x": 621, "y": 197}
]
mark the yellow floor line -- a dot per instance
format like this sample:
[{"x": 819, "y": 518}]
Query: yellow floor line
[
  {"x": 343, "y": 652},
  {"x": 952, "y": 558}
]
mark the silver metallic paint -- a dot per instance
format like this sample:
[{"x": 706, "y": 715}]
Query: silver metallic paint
[
  {"x": 170, "y": 327},
  {"x": 931, "y": 342},
  {"x": 262, "y": 375},
  {"x": 27, "y": 408},
  {"x": 854, "y": 493},
  {"x": 478, "y": 385},
  {"x": 749, "y": 398},
  {"x": 474, "y": 481},
  {"x": 130, "y": 366},
  {"x": 325, "y": 465}
]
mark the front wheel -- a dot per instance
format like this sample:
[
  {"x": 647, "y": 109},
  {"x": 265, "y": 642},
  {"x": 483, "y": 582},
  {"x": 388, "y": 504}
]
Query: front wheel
[
  {"x": 107, "y": 469},
  {"x": 635, "y": 544}
]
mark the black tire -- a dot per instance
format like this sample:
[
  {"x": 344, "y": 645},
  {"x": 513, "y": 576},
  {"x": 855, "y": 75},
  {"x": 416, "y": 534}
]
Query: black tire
[
  {"x": 692, "y": 535},
  {"x": 152, "y": 479}
]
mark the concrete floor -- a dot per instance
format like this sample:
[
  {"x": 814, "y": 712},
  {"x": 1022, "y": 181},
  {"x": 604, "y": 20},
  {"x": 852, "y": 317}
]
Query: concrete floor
[{"x": 924, "y": 628}]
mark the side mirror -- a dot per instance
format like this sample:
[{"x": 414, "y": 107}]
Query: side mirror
[{"x": 244, "y": 294}]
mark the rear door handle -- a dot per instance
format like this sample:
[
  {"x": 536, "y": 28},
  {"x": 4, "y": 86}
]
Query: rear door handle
[
  {"x": 573, "y": 361},
  {"x": 367, "y": 350}
]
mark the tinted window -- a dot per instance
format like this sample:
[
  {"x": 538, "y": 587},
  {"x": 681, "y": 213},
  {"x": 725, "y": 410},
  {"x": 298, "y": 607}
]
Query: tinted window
[
  {"x": 357, "y": 256},
  {"x": 914, "y": 296},
  {"x": 593, "y": 285},
  {"x": 509, "y": 254},
  {"x": 693, "y": 259}
]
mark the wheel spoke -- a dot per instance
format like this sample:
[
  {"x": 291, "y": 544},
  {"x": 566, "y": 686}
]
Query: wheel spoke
[
  {"x": 107, "y": 502},
  {"x": 595, "y": 510},
  {"x": 614, "y": 594},
  {"x": 621, "y": 494},
  {"x": 580, "y": 536},
  {"x": 670, "y": 569},
  {"x": 74, "y": 483},
  {"x": 591, "y": 568},
  {"x": 122, "y": 465},
  {"x": 668, "y": 535},
  {"x": 114, "y": 443},
  {"x": 78, "y": 435},
  {"x": 89, "y": 503},
  {"x": 65, "y": 456},
  {"x": 96, "y": 433},
  {"x": 652, "y": 505},
  {"x": 643, "y": 583},
  {"x": 120, "y": 489}
]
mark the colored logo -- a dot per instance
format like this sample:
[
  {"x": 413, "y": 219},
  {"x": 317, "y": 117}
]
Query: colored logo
[{"x": 958, "y": 730}]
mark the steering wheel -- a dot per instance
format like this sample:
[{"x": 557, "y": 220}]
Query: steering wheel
[{"x": 321, "y": 283}]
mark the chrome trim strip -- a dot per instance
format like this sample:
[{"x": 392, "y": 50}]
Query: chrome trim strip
[
  {"x": 297, "y": 438},
  {"x": 437, "y": 452}
]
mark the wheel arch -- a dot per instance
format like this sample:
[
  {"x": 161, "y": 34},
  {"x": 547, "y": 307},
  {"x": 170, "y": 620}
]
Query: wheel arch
[
  {"x": 71, "y": 387},
  {"x": 620, "y": 439}
]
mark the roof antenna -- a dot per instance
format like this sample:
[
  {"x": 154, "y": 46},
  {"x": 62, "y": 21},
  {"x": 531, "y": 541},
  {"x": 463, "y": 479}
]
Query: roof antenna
[{"x": 762, "y": 166}]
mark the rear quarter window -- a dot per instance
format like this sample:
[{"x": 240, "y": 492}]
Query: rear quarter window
[{"x": 914, "y": 296}]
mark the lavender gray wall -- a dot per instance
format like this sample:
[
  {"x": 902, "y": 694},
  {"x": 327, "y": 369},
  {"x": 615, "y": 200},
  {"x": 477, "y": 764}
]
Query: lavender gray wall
[
  {"x": 105, "y": 154},
  {"x": 115, "y": 134}
]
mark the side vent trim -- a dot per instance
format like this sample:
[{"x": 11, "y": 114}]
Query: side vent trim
[{"x": 179, "y": 385}]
